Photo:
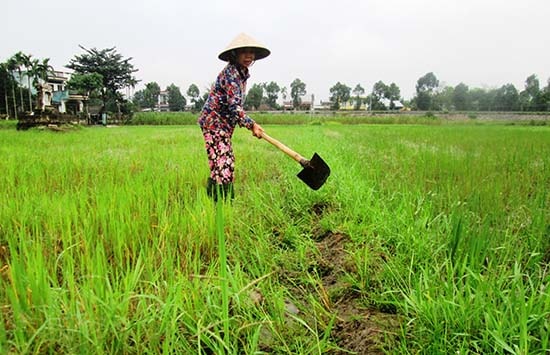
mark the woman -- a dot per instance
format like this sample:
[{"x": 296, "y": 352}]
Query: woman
[{"x": 223, "y": 111}]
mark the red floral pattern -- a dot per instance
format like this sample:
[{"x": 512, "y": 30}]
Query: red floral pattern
[
  {"x": 221, "y": 113},
  {"x": 221, "y": 159},
  {"x": 224, "y": 107}
]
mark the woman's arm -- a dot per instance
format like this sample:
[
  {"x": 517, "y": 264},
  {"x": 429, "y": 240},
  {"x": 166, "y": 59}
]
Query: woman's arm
[{"x": 235, "y": 100}]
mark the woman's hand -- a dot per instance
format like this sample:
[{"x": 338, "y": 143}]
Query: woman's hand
[{"x": 257, "y": 130}]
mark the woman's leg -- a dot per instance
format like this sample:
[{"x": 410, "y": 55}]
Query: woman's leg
[{"x": 221, "y": 161}]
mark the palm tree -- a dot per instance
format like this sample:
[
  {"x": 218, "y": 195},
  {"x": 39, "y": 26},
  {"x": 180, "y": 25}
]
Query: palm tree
[
  {"x": 44, "y": 69},
  {"x": 32, "y": 74},
  {"x": 12, "y": 67},
  {"x": 20, "y": 59},
  {"x": 5, "y": 78},
  {"x": 40, "y": 71},
  {"x": 29, "y": 63}
]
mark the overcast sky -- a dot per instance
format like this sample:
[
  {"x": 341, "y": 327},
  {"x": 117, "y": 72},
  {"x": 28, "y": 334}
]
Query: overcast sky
[{"x": 482, "y": 43}]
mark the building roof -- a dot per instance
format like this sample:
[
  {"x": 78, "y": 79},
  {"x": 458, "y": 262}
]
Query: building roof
[{"x": 387, "y": 102}]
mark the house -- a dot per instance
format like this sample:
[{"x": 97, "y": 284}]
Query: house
[
  {"x": 53, "y": 93},
  {"x": 397, "y": 105},
  {"x": 324, "y": 105},
  {"x": 162, "y": 104},
  {"x": 287, "y": 105},
  {"x": 351, "y": 103},
  {"x": 304, "y": 105},
  {"x": 57, "y": 95}
]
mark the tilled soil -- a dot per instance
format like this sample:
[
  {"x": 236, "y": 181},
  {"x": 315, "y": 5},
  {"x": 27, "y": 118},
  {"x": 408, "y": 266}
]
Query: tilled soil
[{"x": 357, "y": 329}]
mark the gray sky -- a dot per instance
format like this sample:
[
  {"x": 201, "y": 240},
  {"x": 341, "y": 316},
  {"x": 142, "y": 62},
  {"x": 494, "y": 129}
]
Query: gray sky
[{"x": 483, "y": 43}]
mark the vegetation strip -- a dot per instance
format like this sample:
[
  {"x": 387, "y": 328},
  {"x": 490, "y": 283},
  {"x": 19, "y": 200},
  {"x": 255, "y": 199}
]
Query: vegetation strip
[{"x": 426, "y": 238}]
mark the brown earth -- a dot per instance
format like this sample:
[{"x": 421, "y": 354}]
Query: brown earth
[{"x": 357, "y": 329}]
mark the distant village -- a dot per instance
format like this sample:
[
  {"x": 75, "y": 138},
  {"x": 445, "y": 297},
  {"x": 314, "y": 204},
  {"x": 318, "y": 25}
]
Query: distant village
[
  {"x": 30, "y": 86},
  {"x": 90, "y": 91},
  {"x": 54, "y": 93}
]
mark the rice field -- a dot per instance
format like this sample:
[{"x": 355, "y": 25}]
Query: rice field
[{"x": 431, "y": 239}]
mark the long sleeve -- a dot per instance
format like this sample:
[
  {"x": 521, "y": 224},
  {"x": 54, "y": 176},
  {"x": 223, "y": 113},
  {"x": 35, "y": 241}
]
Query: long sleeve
[
  {"x": 224, "y": 106},
  {"x": 235, "y": 104}
]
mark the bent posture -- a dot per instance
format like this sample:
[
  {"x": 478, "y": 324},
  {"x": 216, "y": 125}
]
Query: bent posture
[{"x": 223, "y": 111}]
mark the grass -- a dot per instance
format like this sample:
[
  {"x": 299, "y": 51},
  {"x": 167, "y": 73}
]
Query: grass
[
  {"x": 425, "y": 239},
  {"x": 290, "y": 118}
]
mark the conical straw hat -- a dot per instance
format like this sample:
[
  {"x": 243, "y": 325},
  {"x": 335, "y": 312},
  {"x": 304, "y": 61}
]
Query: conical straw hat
[{"x": 244, "y": 41}]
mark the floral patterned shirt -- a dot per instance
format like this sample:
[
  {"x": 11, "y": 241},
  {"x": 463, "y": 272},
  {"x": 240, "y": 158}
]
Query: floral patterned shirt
[{"x": 224, "y": 107}]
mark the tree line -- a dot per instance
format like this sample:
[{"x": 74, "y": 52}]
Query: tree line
[
  {"x": 103, "y": 74},
  {"x": 430, "y": 96},
  {"x": 266, "y": 94}
]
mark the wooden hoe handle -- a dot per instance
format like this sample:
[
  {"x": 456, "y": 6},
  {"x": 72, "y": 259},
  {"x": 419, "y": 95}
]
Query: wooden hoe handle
[{"x": 300, "y": 159}]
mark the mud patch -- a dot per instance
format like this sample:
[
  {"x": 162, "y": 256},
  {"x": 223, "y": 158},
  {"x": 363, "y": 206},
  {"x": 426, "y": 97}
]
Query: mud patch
[
  {"x": 319, "y": 208},
  {"x": 364, "y": 333},
  {"x": 333, "y": 262},
  {"x": 357, "y": 329}
]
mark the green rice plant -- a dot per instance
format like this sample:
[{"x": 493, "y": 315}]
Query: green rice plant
[
  {"x": 109, "y": 243},
  {"x": 164, "y": 118},
  {"x": 223, "y": 269}
]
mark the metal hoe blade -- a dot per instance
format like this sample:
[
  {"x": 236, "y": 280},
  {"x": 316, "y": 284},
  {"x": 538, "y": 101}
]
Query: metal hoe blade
[{"x": 315, "y": 172}]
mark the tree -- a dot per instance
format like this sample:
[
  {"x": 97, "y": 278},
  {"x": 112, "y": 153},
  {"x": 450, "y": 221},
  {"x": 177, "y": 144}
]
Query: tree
[
  {"x": 42, "y": 70},
  {"x": 297, "y": 90},
  {"x": 12, "y": 66},
  {"x": 427, "y": 83},
  {"x": 272, "y": 94},
  {"x": 39, "y": 71},
  {"x": 379, "y": 91},
  {"x": 482, "y": 99},
  {"x": 358, "y": 92},
  {"x": 138, "y": 99},
  {"x": 423, "y": 100},
  {"x": 442, "y": 98},
  {"x": 6, "y": 80},
  {"x": 545, "y": 97},
  {"x": 194, "y": 93},
  {"x": 460, "y": 97},
  {"x": 116, "y": 71},
  {"x": 383, "y": 97},
  {"x": 148, "y": 97},
  {"x": 31, "y": 77},
  {"x": 425, "y": 87},
  {"x": 532, "y": 86},
  {"x": 254, "y": 97},
  {"x": 20, "y": 60},
  {"x": 340, "y": 93},
  {"x": 393, "y": 93},
  {"x": 27, "y": 62},
  {"x": 176, "y": 101},
  {"x": 85, "y": 84},
  {"x": 284, "y": 92},
  {"x": 532, "y": 97},
  {"x": 506, "y": 98},
  {"x": 151, "y": 95}
]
